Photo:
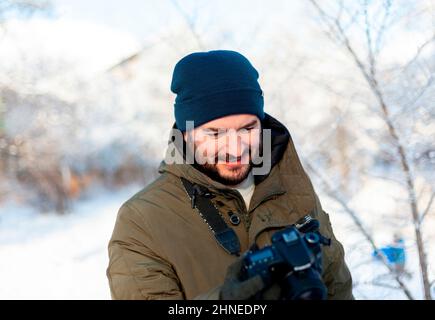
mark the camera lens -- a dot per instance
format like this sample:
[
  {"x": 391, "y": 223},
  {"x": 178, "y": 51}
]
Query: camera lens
[{"x": 306, "y": 285}]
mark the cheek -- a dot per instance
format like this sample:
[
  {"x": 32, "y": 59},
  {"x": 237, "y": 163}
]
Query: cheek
[
  {"x": 206, "y": 148},
  {"x": 252, "y": 142}
]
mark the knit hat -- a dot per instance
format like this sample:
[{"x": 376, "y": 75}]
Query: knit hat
[{"x": 214, "y": 84}]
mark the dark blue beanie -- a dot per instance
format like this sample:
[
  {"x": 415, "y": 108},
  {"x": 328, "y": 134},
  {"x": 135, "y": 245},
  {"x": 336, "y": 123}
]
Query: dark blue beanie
[{"x": 214, "y": 84}]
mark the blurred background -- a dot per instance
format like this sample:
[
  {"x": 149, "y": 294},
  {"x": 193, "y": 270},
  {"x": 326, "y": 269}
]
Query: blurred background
[{"x": 86, "y": 109}]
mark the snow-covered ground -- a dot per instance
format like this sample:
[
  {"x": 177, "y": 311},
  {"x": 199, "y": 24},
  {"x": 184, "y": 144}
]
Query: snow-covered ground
[{"x": 48, "y": 256}]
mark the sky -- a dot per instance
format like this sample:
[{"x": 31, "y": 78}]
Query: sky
[
  {"x": 143, "y": 18},
  {"x": 135, "y": 17},
  {"x": 97, "y": 34}
]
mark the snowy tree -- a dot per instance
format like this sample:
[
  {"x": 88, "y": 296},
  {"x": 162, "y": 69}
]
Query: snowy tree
[{"x": 398, "y": 93}]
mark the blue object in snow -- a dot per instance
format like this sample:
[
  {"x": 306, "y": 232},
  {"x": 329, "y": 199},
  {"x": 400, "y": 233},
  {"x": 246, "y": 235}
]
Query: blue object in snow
[{"x": 395, "y": 254}]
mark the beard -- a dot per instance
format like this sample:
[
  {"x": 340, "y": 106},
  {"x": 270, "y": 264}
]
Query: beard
[
  {"x": 226, "y": 176},
  {"x": 222, "y": 174}
]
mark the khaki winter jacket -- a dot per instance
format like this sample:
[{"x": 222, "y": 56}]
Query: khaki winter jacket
[{"x": 161, "y": 248}]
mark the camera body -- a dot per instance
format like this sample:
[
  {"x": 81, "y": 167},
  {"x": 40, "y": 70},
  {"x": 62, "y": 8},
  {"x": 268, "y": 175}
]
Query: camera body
[{"x": 294, "y": 260}]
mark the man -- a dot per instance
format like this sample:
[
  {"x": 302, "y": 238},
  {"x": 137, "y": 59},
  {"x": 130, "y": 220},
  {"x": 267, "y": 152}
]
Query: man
[{"x": 166, "y": 246}]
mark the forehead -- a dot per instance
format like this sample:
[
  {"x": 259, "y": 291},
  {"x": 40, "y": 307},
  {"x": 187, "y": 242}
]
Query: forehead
[{"x": 235, "y": 121}]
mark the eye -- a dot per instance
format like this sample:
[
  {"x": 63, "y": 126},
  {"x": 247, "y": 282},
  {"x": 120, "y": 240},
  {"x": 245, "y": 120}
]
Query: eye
[
  {"x": 248, "y": 129},
  {"x": 212, "y": 134}
]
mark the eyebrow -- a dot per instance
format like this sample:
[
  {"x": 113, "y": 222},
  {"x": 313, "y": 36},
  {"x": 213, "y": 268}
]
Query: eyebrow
[{"x": 246, "y": 125}]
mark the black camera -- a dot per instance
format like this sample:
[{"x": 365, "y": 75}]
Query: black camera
[{"x": 293, "y": 260}]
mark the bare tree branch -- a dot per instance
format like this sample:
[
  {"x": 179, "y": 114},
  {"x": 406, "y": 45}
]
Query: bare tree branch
[
  {"x": 335, "y": 195},
  {"x": 384, "y": 285},
  {"x": 190, "y": 23},
  {"x": 366, "y": 172},
  {"x": 419, "y": 51},
  {"x": 368, "y": 33},
  {"x": 370, "y": 76},
  {"x": 428, "y": 206},
  {"x": 387, "y": 7}
]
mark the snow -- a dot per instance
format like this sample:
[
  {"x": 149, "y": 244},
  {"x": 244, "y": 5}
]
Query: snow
[{"x": 49, "y": 256}]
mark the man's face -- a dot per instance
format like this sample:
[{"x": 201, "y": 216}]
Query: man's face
[{"x": 224, "y": 146}]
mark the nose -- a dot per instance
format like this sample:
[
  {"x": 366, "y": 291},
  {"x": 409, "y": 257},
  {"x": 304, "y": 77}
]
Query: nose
[{"x": 234, "y": 145}]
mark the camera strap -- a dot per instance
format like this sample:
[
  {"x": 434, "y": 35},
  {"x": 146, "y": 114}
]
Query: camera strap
[{"x": 200, "y": 199}]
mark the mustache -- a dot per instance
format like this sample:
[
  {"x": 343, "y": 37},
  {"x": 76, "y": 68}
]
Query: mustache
[{"x": 231, "y": 158}]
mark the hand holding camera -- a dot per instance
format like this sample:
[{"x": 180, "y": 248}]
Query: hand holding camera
[{"x": 289, "y": 269}]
